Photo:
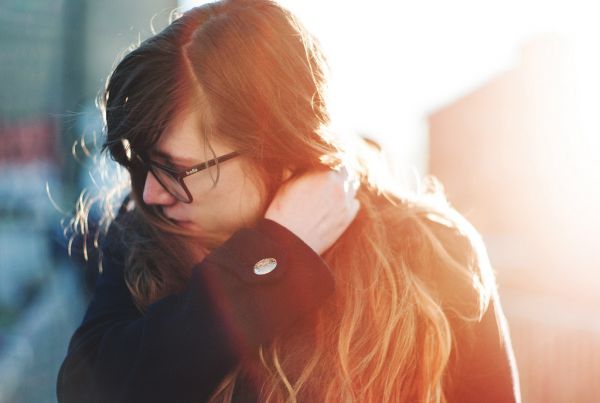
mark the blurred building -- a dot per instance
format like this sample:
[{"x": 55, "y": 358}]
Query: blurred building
[
  {"x": 510, "y": 157},
  {"x": 55, "y": 58}
]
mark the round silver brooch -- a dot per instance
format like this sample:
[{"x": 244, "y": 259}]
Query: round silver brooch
[{"x": 265, "y": 266}]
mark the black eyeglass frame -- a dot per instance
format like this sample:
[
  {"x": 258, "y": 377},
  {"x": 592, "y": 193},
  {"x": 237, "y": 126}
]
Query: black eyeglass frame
[{"x": 180, "y": 175}]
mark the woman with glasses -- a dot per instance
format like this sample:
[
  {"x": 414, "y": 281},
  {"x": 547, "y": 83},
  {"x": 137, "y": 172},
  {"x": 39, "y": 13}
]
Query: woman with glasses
[{"x": 243, "y": 268}]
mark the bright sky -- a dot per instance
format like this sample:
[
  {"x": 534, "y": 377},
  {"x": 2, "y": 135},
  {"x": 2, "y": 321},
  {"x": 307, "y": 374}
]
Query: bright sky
[{"x": 394, "y": 62}]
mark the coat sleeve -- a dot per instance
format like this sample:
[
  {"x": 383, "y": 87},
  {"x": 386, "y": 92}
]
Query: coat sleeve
[
  {"x": 183, "y": 345},
  {"x": 482, "y": 365}
]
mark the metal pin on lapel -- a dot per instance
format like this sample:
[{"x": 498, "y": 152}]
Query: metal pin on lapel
[{"x": 265, "y": 266}]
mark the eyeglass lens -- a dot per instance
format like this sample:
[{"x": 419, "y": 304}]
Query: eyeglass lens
[{"x": 170, "y": 184}]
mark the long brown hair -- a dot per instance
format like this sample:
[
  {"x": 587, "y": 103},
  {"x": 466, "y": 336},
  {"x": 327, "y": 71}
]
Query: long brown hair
[{"x": 405, "y": 269}]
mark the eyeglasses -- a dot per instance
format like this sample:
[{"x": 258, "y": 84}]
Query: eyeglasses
[{"x": 178, "y": 182}]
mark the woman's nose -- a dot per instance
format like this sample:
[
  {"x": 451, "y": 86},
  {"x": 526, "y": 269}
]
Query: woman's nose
[{"x": 155, "y": 193}]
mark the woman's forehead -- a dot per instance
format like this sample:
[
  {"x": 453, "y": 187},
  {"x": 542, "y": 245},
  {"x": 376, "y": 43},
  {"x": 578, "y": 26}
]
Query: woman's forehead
[
  {"x": 181, "y": 142},
  {"x": 185, "y": 141}
]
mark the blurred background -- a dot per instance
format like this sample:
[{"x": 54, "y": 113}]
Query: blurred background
[{"x": 498, "y": 99}]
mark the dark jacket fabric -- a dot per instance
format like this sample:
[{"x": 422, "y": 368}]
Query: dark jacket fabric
[{"x": 185, "y": 344}]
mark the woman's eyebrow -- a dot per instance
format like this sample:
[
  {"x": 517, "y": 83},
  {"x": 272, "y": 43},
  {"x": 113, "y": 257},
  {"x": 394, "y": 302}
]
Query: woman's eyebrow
[{"x": 176, "y": 160}]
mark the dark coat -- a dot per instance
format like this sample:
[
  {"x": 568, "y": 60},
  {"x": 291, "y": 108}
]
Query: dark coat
[{"x": 185, "y": 344}]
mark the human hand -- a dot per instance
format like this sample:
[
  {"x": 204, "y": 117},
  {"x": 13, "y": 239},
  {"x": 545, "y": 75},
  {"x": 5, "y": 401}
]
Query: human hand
[{"x": 317, "y": 207}]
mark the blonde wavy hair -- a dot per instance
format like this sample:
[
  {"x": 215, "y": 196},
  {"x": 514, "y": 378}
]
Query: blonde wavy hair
[{"x": 407, "y": 268}]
